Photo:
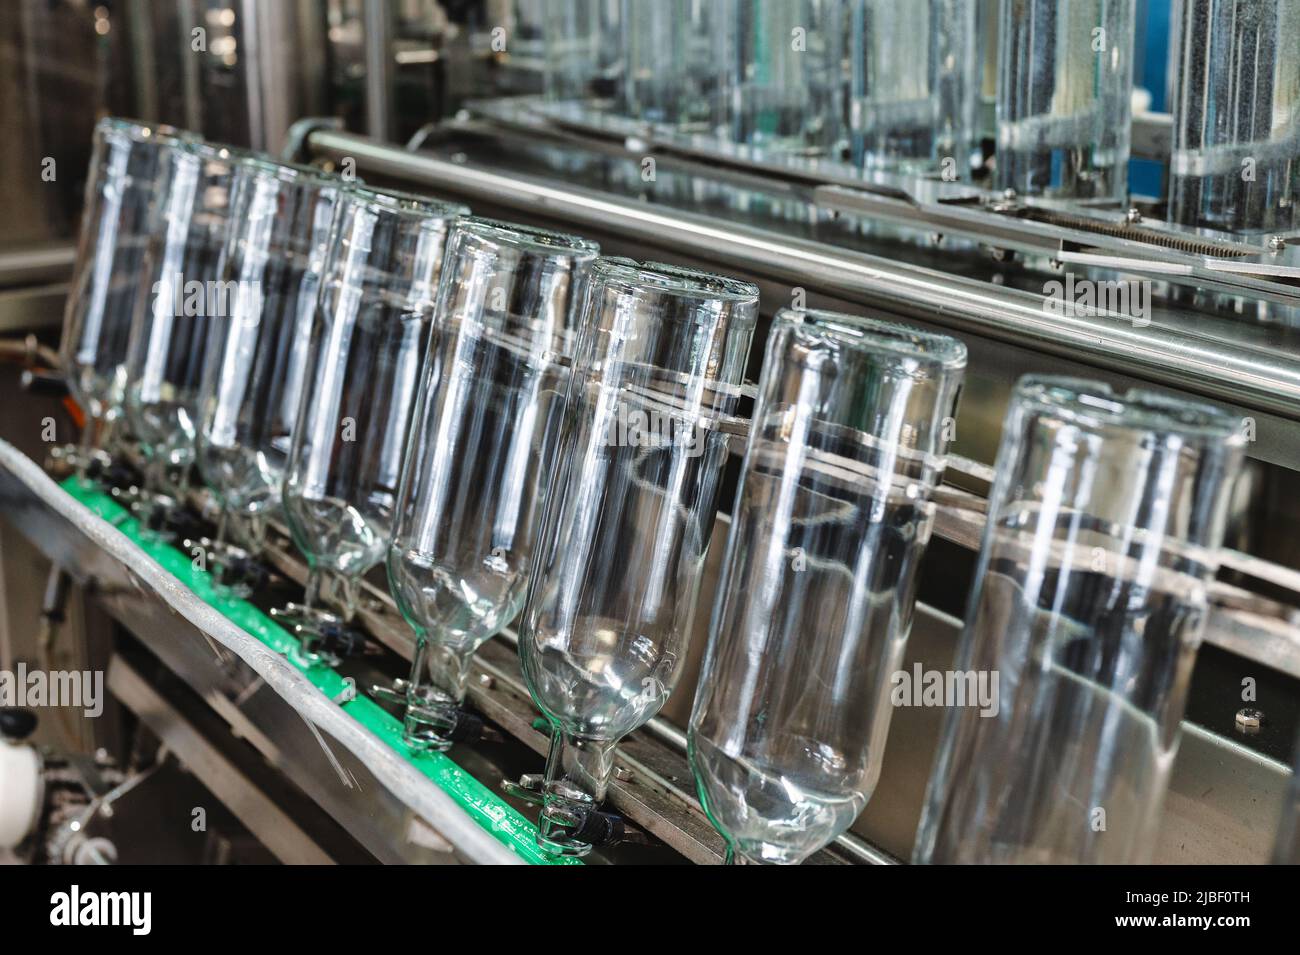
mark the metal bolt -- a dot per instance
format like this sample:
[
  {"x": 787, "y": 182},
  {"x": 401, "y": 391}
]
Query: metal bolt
[
  {"x": 1133, "y": 216},
  {"x": 1276, "y": 243},
  {"x": 1249, "y": 719},
  {"x": 485, "y": 680},
  {"x": 622, "y": 773}
]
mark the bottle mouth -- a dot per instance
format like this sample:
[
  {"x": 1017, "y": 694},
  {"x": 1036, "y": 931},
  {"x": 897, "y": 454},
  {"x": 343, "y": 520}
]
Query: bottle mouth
[
  {"x": 405, "y": 203},
  {"x": 877, "y": 335},
  {"x": 658, "y": 278},
  {"x": 139, "y": 131},
  {"x": 220, "y": 152},
  {"x": 1096, "y": 404},
  {"x": 529, "y": 238},
  {"x": 289, "y": 171}
]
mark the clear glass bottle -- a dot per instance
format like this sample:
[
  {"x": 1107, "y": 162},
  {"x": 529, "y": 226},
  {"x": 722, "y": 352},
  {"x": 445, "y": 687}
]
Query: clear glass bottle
[
  {"x": 1065, "y": 80},
  {"x": 370, "y": 331},
  {"x": 814, "y": 604},
  {"x": 481, "y": 452},
  {"x": 618, "y": 563},
  {"x": 584, "y": 56},
  {"x": 181, "y": 293},
  {"x": 915, "y": 86},
  {"x": 672, "y": 73},
  {"x": 120, "y": 214},
  {"x": 784, "y": 77},
  {"x": 254, "y": 369},
  {"x": 1089, "y": 600},
  {"x": 1236, "y": 115}
]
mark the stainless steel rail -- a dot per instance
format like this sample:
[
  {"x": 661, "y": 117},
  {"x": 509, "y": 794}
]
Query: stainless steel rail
[{"x": 1256, "y": 378}]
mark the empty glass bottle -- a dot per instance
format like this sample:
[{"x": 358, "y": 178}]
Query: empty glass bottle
[
  {"x": 370, "y": 331},
  {"x": 617, "y": 565},
  {"x": 1235, "y": 161},
  {"x": 915, "y": 85},
  {"x": 672, "y": 70},
  {"x": 815, "y": 596},
  {"x": 120, "y": 214},
  {"x": 784, "y": 76},
  {"x": 254, "y": 369},
  {"x": 181, "y": 293},
  {"x": 584, "y": 58},
  {"x": 1089, "y": 600},
  {"x": 1065, "y": 78},
  {"x": 481, "y": 452}
]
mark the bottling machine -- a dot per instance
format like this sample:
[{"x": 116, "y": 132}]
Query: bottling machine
[{"x": 796, "y": 229}]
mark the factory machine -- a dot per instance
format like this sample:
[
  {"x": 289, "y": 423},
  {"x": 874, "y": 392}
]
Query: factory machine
[{"x": 574, "y": 432}]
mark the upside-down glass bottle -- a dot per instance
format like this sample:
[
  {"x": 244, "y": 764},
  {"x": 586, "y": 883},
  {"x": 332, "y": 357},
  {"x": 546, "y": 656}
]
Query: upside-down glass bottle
[
  {"x": 181, "y": 293},
  {"x": 1089, "y": 600},
  {"x": 254, "y": 369},
  {"x": 784, "y": 77},
  {"x": 584, "y": 58},
  {"x": 1236, "y": 115},
  {"x": 120, "y": 214},
  {"x": 1065, "y": 78},
  {"x": 618, "y": 563},
  {"x": 815, "y": 596},
  {"x": 915, "y": 85},
  {"x": 671, "y": 71},
  {"x": 481, "y": 453},
  {"x": 370, "y": 331}
]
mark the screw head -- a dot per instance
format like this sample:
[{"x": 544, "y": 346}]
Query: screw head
[
  {"x": 485, "y": 680},
  {"x": 1249, "y": 719},
  {"x": 1276, "y": 243},
  {"x": 622, "y": 773}
]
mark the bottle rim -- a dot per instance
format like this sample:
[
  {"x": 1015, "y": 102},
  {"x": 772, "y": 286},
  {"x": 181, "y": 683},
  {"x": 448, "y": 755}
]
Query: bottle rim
[
  {"x": 140, "y": 131},
  {"x": 665, "y": 279},
  {"x": 404, "y": 203},
  {"x": 530, "y": 238},
  {"x": 860, "y": 332},
  {"x": 1095, "y": 404}
]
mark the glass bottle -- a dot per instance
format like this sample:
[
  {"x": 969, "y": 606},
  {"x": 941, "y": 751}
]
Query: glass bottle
[
  {"x": 1065, "y": 80},
  {"x": 370, "y": 331},
  {"x": 584, "y": 57},
  {"x": 254, "y": 369},
  {"x": 1089, "y": 600},
  {"x": 1235, "y": 161},
  {"x": 617, "y": 565},
  {"x": 481, "y": 452},
  {"x": 181, "y": 293},
  {"x": 672, "y": 73},
  {"x": 815, "y": 595},
  {"x": 785, "y": 78},
  {"x": 915, "y": 86},
  {"x": 119, "y": 216}
]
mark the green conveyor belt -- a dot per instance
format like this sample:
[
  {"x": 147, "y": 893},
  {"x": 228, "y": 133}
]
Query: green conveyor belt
[{"x": 488, "y": 809}]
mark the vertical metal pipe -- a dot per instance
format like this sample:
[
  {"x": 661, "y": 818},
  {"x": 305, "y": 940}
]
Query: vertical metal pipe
[{"x": 377, "y": 20}]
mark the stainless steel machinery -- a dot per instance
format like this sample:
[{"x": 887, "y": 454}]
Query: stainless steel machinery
[{"x": 1126, "y": 293}]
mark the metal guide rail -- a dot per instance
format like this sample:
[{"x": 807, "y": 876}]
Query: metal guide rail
[
  {"x": 1126, "y": 239},
  {"x": 1256, "y": 370}
]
